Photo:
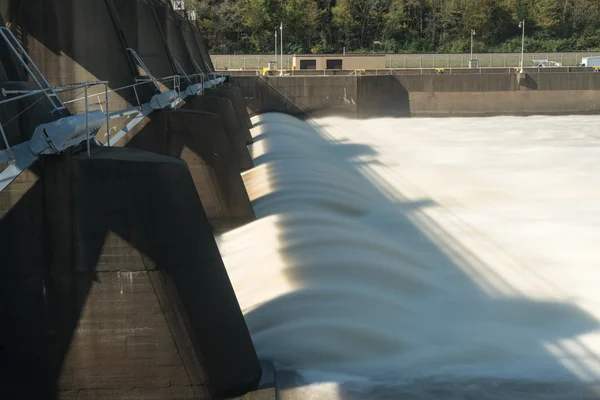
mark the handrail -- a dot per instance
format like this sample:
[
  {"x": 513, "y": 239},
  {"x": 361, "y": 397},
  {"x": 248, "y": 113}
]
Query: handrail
[
  {"x": 52, "y": 96},
  {"x": 141, "y": 63},
  {"x": 178, "y": 65},
  {"x": 54, "y": 137},
  {"x": 66, "y": 88}
]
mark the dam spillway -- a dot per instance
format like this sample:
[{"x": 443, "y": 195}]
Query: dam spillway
[{"x": 423, "y": 258}]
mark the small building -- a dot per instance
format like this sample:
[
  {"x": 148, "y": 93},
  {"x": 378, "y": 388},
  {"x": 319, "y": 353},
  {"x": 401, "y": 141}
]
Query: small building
[{"x": 339, "y": 61}]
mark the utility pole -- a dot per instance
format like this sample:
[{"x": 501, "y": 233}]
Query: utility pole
[
  {"x": 472, "y": 35},
  {"x": 275, "y": 45},
  {"x": 522, "y": 25}
]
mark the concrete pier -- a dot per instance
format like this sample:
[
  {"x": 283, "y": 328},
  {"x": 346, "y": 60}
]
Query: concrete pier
[
  {"x": 112, "y": 285},
  {"x": 234, "y": 128},
  {"x": 233, "y": 94},
  {"x": 200, "y": 139}
]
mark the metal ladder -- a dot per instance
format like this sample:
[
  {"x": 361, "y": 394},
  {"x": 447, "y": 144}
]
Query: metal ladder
[
  {"x": 35, "y": 74},
  {"x": 140, "y": 62}
]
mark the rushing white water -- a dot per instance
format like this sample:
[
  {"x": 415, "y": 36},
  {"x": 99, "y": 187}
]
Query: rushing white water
[{"x": 424, "y": 258}]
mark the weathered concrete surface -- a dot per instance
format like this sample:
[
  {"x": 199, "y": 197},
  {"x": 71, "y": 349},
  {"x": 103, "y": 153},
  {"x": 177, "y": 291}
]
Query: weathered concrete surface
[
  {"x": 415, "y": 95},
  {"x": 505, "y": 103},
  {"x": 299, "y": 96},
  {"x": 381, "y": 96},
  {"x": 112, "y": 285},
  {"x": 169, "y": 23},
  {"x": 458, "y": 83},
  {"x": 188, "y": 32},
  {"x": 233, "y": 94},
  {"x": 63, "y": 39},
  {"x": 235, "y": 132},
  {"x": 207, "y": 61},
  {"x": 200, "y": 139},
  {"x": 144, "y": 33}
]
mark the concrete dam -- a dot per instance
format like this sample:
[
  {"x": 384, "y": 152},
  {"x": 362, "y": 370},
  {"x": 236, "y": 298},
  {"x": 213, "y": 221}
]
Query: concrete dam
[
  {"x": 123, "y": 153},
  {"x": 121, "y": 156}
]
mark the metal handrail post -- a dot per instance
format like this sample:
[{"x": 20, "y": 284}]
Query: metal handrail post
[
  {"x": 60, "y": 105},
  {"x": 6, "y": 142},
  {"x": 14, "y": 50},
  {"x": 87, "y": 129},
  {"x": 107, "y": 117}
]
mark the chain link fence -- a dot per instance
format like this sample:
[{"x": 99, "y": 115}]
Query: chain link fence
[{"x": 259, "y": 61}]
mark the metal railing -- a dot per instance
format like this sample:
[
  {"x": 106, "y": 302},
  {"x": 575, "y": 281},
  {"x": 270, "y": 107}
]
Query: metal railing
[
  {"x": 36, "y": 75},
  {"x": 55, "y": 137},
  {"x": 409, "y": 71},
  {"x": 23, "y": 94},
  {"x": 492, "y": 60}
]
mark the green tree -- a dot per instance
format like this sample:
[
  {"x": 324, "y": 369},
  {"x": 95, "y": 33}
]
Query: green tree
[{"x": 399, "y": 25}]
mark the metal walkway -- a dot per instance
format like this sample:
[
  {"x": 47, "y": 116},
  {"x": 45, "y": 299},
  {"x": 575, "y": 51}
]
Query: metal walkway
[{"x": 55, "y": 137}]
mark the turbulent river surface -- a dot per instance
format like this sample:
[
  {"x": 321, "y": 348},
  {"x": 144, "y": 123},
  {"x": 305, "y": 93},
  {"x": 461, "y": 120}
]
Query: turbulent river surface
[{"x": 424, "y": 258}]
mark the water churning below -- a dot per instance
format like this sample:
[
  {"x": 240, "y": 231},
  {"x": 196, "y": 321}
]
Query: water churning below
[{"x": 424, "y": 258}]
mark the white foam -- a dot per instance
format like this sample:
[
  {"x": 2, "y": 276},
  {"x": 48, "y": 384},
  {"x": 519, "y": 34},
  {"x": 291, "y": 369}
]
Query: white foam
[{"x": 427, "y": 250}]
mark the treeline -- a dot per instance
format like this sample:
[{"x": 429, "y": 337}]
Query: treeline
[{"x": 398, "y": 26}]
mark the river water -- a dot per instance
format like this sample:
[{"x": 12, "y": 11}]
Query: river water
[{"x": 424, "y": 258}]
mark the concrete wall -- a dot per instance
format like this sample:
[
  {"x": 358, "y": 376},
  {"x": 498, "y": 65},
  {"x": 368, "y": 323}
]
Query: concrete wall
[
  {"x": 188, "y": 31},
  {"x": 169, "y": 23},
  {"x": 381, "y": 96},
  {"x": 299, "y": 96},
  {"x": 504, "y": 103},
  {"x": 200, "y": 139},
  {"x": 235, "y": 128},
  {"x": 234, "y": 94},
  {"x": 104, "y": 259},
  {"x": 74, "y": 41},
  {"x": 440, "y": 94}
]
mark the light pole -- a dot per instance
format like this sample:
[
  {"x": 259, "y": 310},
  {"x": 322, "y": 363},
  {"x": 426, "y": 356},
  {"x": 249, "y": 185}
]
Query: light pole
[
  {"x": 275, "y": 45},
  {"x": 522, "y": 25},
  {"x": 281, "y": 47},
  {"x": 472, "y": 35},
  {"x": 374, "y": 43}
]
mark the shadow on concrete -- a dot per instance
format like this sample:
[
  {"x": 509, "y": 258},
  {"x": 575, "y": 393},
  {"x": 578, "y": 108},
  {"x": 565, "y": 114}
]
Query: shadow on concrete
[
  {"x": 112, "y": 285},
  {"x": 382, "y": 96},
  {"x": 403, "y": 222},
  {"x": 75, "y": 41},
  {"x": 200, "y": 139},
  {"x": 376, "y": 97}
]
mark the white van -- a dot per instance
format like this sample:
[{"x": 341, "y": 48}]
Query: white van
[{"x": 590, "y": 62}]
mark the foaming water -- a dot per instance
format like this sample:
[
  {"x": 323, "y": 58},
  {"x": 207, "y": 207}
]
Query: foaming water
[{"x": 424, "y": 258}]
